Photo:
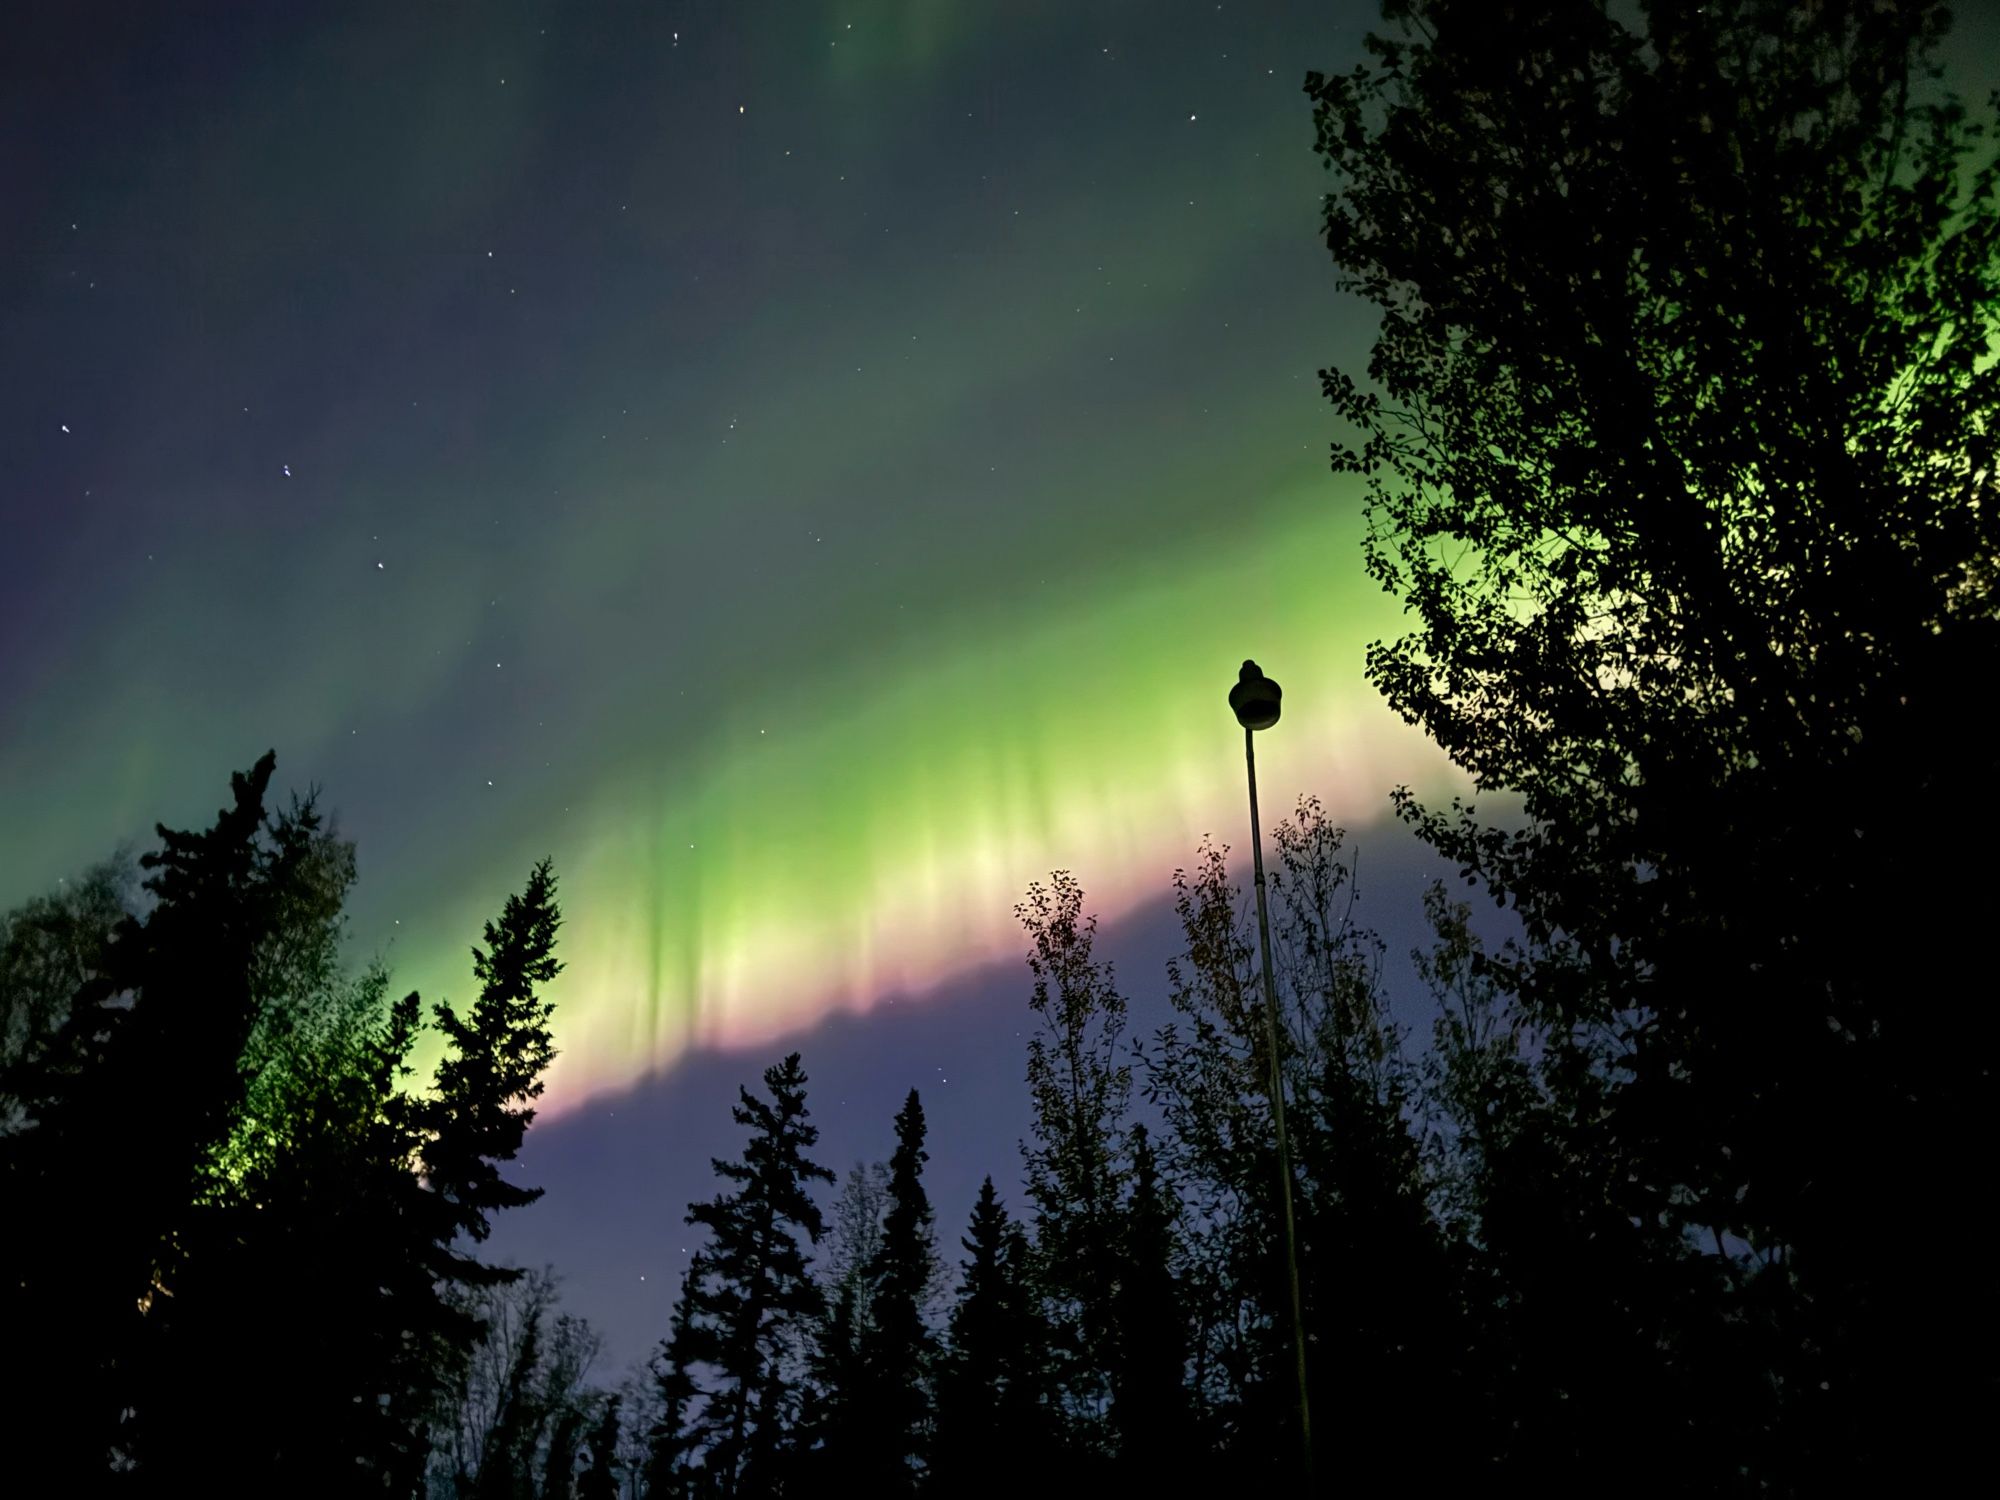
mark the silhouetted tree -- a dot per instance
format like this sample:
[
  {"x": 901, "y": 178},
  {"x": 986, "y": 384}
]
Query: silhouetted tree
[
  {"x": 672, "y": 1438},
  {"x": 1589, "y": 1330},
  {"x": 893, "y": 1420},
  {"x": 487, "y": 1082},
  {"x": 51, "y": 946},
  {"x": 1679, "y": 445},
  {"x": 506, "y": 1457},
  {"x": 318, "y": 1186},
  {"x": 471, "y": 1123},
  {"x": 854, "y": 1234},
  {"x": 600, "y": 1480},
  {"x": 1205, "y": 1074},
  {"x": 1158, "y": 1442},
  {"x": 996, "y": 1424},
  {"x": 324, "y": 1204},
  {"x": 125, "y": 1109},
  {"x": 514, "y": 1421},
  {"x": 749, "y": 1297},
  {"x": 306, "y": 1189},
  {"x": 218, "y": 1153},
  {"x": 832, "y": 1450},
  {"x": 1378, "y": 1286},
  {"x": 1079, "y": 1088}
]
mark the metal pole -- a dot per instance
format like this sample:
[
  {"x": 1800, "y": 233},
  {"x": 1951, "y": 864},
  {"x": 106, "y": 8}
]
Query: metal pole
[{"x": 1276, "y": 1084}]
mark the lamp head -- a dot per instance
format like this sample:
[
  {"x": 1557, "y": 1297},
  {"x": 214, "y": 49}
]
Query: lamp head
[{"x": 1255, "y": 698}]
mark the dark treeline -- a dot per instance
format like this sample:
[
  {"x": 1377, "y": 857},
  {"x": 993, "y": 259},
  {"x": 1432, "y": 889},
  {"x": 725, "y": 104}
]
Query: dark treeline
[
  {"x": 1678, "y": 442},
  {"x": 237, "y": 1254}
]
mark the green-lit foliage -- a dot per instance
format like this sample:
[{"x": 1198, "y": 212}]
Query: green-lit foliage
[
  {"x": 216, "y": 1147},
  {"x": 1679, "y": 435}
]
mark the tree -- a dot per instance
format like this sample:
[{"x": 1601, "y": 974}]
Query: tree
[
  {"x": 892, "y": 1424},
  {"x": 1679, "y": 445},
  {"x": 302, "y": 1191},
  {"x": 672, "y": 1438},
  {"x": 995, "y": 1415},
  {"x": 124, "y": 1110},
  {"x": 50, "y": 947},
  {"x": 317, "y": 1187},
  {"x": 600, "y": 1480},
  {"x": 833, "y": 1448},
  {"x": 1152, "y": 1413},
  {"x": 507, "y": 1457},
  {"x": 1079, "y": 1088},
  {"x": 853, "y": 1236},
  {"x": 1377, "y": 1287},
  {"x": 1205, "y": 1074},
  {"x": 1586, "y": 1329},
  {"x": 515, "y": 1417},
  {"x": 832, "y": 1431},
  {"x": 749, "y": 1296},
  {"x": 487, "y": 1082},
  {"x": 209, "y": 1131}
]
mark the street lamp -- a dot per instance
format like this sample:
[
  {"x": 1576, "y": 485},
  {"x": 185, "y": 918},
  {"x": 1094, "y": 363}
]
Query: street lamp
[{"x": 1255, "y": 700}]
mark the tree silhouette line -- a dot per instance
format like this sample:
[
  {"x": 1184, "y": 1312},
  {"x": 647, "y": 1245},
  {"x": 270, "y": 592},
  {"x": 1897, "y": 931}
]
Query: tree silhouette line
[{"x": 1678, "y": 443}]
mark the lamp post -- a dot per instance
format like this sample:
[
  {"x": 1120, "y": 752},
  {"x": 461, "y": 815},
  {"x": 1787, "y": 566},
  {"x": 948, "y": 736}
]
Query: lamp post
[{"x": 1254, "y": 700}]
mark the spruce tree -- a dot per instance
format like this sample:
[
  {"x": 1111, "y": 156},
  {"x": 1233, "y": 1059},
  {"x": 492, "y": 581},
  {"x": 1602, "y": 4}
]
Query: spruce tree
[
  {"x": 832, "y": 1446},
  {"x": 995, "y": 1417},
  {"x": 893, "y": 1420},
  {"x": 426, "y": 1178},
  {"x": 247, "y": 1099},
  {"x": 488, "y": 1079},
  {"x": 458, "y": 1137},
  {"x": 123, "y": 1130},
  {"x": 299, "y": 1194},
  {"x": 831, "y": 1441},
  {"x": 1151, "y": 1413},
  {"x": 751, "y": 1295},
  {"x": 672, "y": 1440}
]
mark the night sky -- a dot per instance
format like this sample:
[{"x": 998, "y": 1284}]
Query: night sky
[{"x": 810, "y": 469}]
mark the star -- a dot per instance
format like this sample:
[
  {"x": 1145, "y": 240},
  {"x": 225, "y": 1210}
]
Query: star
[
  {"x": 65, "y": 427},
  {"x": 288, "y": 470}
]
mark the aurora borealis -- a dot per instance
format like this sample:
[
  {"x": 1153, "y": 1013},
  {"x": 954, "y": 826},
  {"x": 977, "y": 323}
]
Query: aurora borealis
[
  {"x": 806, "y": 525},
  {"x": 811, "y": 470}
]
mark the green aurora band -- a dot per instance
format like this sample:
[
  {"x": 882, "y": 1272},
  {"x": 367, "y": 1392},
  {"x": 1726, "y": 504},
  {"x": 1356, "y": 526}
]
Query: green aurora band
[
  {"x": 878, "y": 847},
  {"x": 807, "y": 524}
]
